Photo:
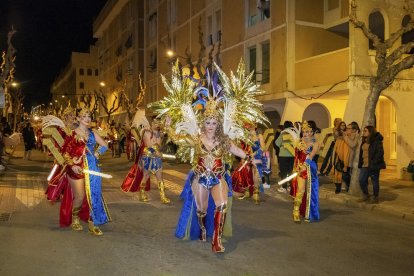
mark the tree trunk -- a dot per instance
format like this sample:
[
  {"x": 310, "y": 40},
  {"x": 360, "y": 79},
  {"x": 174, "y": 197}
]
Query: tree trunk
[{"x": 368, "y": 120}]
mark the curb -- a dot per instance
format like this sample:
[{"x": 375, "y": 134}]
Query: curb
[{"x": 351, "y": 201}]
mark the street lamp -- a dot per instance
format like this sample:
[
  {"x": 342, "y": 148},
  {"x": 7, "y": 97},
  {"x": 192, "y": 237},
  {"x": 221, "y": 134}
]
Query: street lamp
[
  {"x": 14, "y": 84},
  {"x": 102, "y": 84}
]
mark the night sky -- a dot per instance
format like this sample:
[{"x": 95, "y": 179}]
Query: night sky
[{"x": 47, "y": 32}]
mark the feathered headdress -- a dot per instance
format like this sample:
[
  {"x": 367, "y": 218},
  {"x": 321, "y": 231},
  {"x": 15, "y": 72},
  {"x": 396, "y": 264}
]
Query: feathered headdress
[{"x": 232, "y": 101}]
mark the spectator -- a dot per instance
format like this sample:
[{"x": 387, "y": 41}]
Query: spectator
[
  {"x": 7, "y": 131},
  {"x": 340, "y": 157},
  {"x": 276, "y": 148},
  {"x": 371, "y": 161},
  {"x": 327, "y": 159},
  {"x": 351, "y": 138},
  {"x": 29, "y": 140},
  {"x": 286, "y": 154}
]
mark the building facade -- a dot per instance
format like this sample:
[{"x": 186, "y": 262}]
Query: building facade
[
  {"x": 311, "y": 63},
  {"x": 80, "y": 77},
  {"x": 119, "y": 30}
]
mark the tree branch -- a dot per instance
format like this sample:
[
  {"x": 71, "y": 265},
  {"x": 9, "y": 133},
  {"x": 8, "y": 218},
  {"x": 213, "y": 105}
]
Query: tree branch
[
  {"x": 361, "y": 25},
  {"x": 397, "y": 53}
]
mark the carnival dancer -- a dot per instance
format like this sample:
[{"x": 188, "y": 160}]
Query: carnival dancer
[
  {"x": 306, "y": 184},
  {"x": 242, "y": 176},
  {"x": 148, "y": 162},
  {"x": 247, "y": 179},
  {"x": 209, "y": 134},
  {"x": 82, "y": 197}
]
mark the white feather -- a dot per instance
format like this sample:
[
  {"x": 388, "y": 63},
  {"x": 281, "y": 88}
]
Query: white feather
[
  {"x": 189, "y": 125},
  {"x": 229, "y": 126},
  {"x": 51, "y": 120},
  {"x": 295, "y": 132},
  {"x": 140, "y": 120}
]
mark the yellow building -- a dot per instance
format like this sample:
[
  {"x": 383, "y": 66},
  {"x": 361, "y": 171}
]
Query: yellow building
[
  {"x": 312, "y": 64},
  {"x": 119, "y": 30},
  {"x": 80, "y": 77}
]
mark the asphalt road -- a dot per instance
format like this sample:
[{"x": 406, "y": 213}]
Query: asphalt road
[{"x": 140, "y": 240}]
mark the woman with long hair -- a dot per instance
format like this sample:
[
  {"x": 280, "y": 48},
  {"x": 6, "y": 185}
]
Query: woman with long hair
[
  {"x": 341, "y": 153},
  {"x": 305, "y": 187},
  {"x": 206, "y": 137},
  {"x": 371, "y": 161}
]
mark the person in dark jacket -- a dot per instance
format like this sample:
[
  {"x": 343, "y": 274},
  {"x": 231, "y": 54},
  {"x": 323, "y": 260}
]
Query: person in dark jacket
[
  {"x": 29, "y": 140},
  {"x": 371, "y": 161}
]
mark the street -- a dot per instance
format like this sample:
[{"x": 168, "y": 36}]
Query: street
[{"x": 140, "y": 239}]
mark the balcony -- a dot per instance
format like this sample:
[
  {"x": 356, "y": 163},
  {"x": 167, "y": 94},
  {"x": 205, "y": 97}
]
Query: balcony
[{"x": 322, "y": 70}]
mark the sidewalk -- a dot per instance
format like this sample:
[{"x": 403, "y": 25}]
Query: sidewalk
[{"x": 396, "y": 196}]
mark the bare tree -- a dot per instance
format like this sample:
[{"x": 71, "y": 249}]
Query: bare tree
[
  {"x": 132, "y": 105},
  {"x": 391, "y": 60},
  {"x": 110, "y": 108},
  {"x": 7, "y": 68},
  {"x": 87, "y": 100},
  {"x": 16, "y": 99}
]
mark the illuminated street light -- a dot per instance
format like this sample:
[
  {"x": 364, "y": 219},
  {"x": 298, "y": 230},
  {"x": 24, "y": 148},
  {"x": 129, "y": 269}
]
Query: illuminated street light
[
  {"x": 14, "y": 84},
  {"x": 103, "y": 84},
  {"x": 170, "y": 53},
  {"x": 63, "y": 96}
]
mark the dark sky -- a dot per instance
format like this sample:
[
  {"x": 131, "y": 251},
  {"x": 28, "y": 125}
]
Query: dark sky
[{"x": 47, "y": 32}]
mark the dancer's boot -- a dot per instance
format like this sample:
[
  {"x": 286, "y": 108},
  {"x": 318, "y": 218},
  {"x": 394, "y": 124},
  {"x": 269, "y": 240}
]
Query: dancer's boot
[
  {"x": 93, "y": 229},
  {"x": 219, "y": 220},
  {"x": 202, "y": 223},
  {"x": 75, "y": 219},
  {"x": 142, "y": 195},
  {"x": 161, "y": 188}
]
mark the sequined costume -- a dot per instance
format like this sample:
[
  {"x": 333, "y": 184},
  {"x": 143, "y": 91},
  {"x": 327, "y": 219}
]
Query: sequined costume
[
  {"x": 242, "y": 176},
  {"x": 148, "y": 159},
  {"x": 151, "y": 158},
  {"x": 203, "y": 131},
  {"x": 208, "y": 170},
  {"x": 306, "y": 202},
  {"x": 77, "y": 152}
]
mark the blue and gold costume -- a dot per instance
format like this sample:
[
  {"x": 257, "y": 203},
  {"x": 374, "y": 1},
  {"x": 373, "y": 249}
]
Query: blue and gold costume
[{"x": 151, "y": 158}]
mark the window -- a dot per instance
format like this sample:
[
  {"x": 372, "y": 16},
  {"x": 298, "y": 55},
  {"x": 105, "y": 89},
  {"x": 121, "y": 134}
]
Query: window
[
  {"x": 252, "y": 62},
  {"x": 218, "y": 25},
  {"x": 152, "y": 25},
  {"x": 118, "y": 51},
  {"x": 408, "y": 36},
  {"x": 96, "y": 72},
  {"x": 209, "y": 30},
  {"x": 118, "y": 75},
  {"x": 130, "y": 70},
  {"x": 257, "y": 10},
  {"x": 89, "y": 72},
  {"x": 172, "y": 11},
  {"x": 81, "y": 72},
  {"x": 264, "y": 9},
  {"x": 128, "y": 42},
  {"x": 81, "y": 85},
  {"x": 265, "y": 63},
  {"x": 153, "y": 60},
  {"x": 377, "y": 26}
]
